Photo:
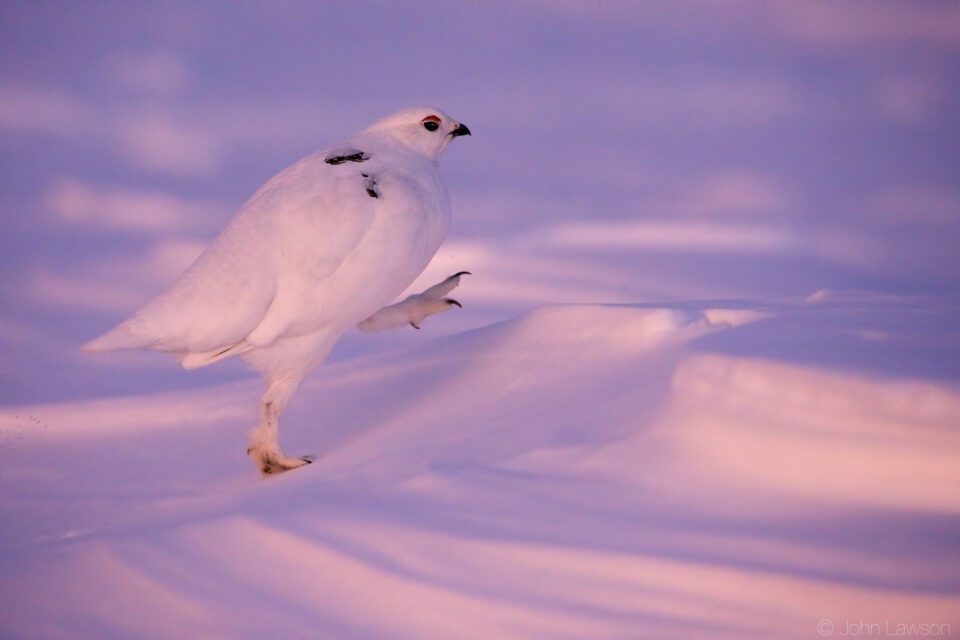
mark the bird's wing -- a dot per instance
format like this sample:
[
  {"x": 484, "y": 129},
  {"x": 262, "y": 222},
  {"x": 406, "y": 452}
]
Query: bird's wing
[{"x": 300, "y": 225}]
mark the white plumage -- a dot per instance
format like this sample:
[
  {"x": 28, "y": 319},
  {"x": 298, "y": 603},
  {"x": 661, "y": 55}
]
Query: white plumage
[{"x": 323, "y": 246}]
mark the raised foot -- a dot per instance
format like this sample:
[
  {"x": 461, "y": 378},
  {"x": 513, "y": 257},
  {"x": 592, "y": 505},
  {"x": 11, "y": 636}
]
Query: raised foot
[
  {"x": 433, "y": 301},
  {"x": 271, "y": 462},
  {"x": 414, "y": 309}
]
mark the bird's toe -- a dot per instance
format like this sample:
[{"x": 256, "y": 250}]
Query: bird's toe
[{"x": 271, "y": 462}]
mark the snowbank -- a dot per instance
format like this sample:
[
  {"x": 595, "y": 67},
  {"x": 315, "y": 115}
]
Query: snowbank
[{"x": 581, "y": 471}]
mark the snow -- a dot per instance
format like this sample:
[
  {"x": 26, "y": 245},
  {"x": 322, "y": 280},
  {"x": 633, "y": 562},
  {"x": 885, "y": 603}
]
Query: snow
[{"x": 579, "y": 471}]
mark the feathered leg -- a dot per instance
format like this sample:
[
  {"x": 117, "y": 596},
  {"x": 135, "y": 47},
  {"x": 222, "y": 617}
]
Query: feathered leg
[
  {"x": 414, "y": 309},
  {"x": 265, "y": 439},
  {"x": 284, "y": 364}
]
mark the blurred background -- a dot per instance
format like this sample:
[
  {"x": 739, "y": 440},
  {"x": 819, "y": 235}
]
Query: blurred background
[{"x": 622, "y": 153}]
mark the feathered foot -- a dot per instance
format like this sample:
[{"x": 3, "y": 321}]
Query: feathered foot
[
  {"x": 272, "y": 461},
  {"x": 414, "y": 309},
  {"x": 265, "y": 438}
]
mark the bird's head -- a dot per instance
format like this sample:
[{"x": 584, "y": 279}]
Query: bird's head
[{"x": 424, "y": 129}]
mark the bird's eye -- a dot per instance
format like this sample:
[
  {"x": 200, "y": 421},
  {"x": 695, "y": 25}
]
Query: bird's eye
[{"x": 431, "y": 123}]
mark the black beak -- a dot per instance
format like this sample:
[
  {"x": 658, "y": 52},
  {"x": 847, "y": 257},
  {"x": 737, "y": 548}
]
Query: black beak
[{"x": 461, "y": 130}]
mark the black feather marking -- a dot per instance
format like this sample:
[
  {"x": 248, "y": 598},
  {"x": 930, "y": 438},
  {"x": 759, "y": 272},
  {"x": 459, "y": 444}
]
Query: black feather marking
[
  {"x": 370, "y": 184},
  {"x": 346, "y": 155}
]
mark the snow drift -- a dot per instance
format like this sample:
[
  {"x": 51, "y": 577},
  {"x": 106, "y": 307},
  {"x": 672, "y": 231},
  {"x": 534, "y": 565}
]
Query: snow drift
[{"x": 581, "y": 471}]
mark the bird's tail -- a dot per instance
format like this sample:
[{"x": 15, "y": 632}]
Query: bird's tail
[
  {"x": 124, "y": 336},
  {"x": 121, "y": 336}
]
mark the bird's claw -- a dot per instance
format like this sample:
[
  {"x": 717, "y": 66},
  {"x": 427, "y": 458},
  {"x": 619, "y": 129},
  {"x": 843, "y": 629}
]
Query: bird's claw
[
  {"x": 271, "y": 462},
  {"x": 416, "y": 308}
]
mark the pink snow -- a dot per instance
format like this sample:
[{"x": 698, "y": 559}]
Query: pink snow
[{"x": 583, "y": 471}]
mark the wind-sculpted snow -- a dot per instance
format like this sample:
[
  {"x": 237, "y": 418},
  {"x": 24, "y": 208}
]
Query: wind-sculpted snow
[{"x": 581, "y": 471}]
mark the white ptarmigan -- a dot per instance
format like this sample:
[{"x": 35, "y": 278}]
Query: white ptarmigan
[{"x": 323, "y": 246}]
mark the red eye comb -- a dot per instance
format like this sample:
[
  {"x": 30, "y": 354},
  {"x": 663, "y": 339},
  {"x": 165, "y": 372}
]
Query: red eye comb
[{"x": 431, "y": 119}]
